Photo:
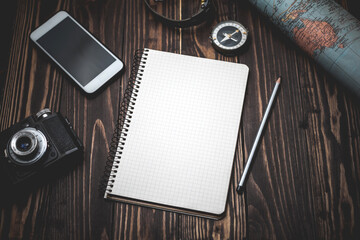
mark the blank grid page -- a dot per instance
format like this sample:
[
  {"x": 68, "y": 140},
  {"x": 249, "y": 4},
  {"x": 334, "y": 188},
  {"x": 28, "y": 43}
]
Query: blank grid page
[{"x": 182, "y": 137}]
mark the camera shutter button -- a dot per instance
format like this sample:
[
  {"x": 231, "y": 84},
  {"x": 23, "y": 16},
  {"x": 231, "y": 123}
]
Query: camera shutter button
[{"x": 43, "y": 113}]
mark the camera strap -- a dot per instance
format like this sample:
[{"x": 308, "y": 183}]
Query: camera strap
[{"x": 207, "y": 10}]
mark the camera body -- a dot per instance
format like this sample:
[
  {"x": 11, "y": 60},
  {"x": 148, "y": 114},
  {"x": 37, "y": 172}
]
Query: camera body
[{"x": 36, "y": 145}]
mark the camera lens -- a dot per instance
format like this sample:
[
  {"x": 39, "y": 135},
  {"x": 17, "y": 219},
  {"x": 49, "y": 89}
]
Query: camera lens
[
  {"x": 23, "y": 144},
  {"x": 27, "y": 146}
]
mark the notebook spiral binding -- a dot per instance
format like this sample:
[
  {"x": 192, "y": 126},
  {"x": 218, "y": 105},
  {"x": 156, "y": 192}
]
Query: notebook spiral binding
[{"x": 126, "y": 109}]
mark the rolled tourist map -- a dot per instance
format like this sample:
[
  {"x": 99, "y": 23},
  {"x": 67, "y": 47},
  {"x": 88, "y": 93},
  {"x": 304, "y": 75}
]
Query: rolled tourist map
[{"x": 323, "y": 29}]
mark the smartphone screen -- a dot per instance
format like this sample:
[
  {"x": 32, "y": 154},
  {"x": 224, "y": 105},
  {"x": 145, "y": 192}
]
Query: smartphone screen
[{"x": 76, "y": 51}]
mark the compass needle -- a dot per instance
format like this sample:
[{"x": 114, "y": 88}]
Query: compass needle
[{"x": 226, "y": 37}]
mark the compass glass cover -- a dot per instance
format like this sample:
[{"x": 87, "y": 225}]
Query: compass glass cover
[{"x": 225, "y": 32}]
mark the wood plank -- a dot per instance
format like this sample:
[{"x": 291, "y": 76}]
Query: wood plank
[
  {"x": 7, "y": 19},
  {"x": 333, "y": 143}
]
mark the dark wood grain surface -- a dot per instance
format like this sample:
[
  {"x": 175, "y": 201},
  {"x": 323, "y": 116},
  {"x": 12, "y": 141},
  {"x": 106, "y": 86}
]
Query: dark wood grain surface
[{"x": 305, "y": 182}]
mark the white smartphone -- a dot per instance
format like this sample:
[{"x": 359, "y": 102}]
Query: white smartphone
[{"x": 79, "y": 54}]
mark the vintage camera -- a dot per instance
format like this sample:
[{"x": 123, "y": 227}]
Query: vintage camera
[{"x": 39, "y": 144}]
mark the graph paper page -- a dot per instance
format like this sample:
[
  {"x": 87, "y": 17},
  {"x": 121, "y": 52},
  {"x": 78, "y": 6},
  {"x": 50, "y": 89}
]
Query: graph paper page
[{"x": 180, "y": 145}]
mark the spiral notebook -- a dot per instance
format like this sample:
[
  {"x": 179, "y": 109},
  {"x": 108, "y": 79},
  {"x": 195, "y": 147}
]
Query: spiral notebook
[{"x": 178, "y": 127}]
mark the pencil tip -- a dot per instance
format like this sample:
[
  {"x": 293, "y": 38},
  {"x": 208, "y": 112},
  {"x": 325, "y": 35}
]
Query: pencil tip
[{"x": 278, "y": 80}]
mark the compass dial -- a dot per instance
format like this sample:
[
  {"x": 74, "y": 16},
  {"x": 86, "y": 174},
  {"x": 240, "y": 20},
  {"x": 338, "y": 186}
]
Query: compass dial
[{"x": 228, "y": 37}]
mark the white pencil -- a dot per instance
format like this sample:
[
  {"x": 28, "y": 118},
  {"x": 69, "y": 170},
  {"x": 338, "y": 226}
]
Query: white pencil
[{"x": 241, "y": 186}]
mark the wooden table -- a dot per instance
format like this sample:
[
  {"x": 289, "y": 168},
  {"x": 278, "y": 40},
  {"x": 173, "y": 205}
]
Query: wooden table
[{"x": 305, "y": 183}]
